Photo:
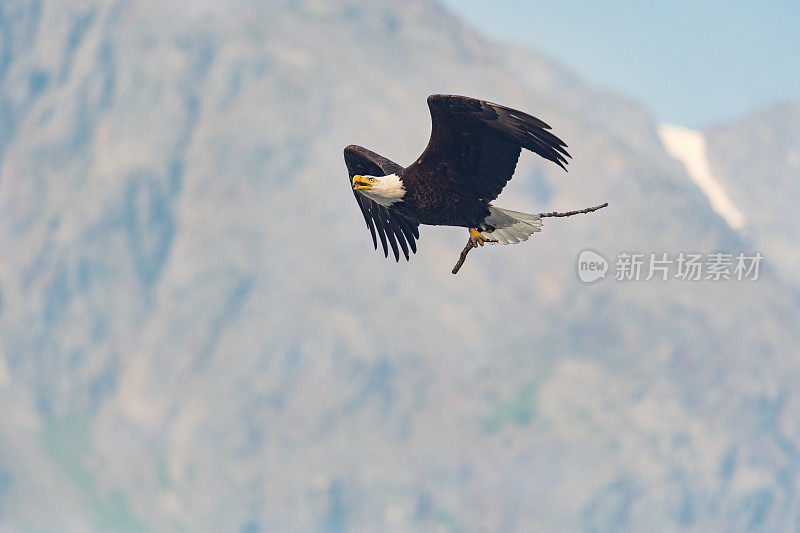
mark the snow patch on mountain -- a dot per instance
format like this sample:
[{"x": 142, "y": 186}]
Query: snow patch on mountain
[{"x": 689, "y": 147}]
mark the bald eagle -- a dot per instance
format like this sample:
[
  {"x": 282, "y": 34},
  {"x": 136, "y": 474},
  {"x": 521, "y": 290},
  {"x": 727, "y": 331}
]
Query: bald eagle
[{"x": 471, "y": 155}]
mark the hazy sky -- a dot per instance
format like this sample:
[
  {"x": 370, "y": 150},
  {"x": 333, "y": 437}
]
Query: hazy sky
[{"x": 692, "y": 62}]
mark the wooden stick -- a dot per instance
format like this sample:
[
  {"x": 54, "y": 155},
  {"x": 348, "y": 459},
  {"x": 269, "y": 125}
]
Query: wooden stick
[
  {"x": 463, "y": 257},
  {"x": 570, "y": 213},
  {"x": 469, "y": 245}
]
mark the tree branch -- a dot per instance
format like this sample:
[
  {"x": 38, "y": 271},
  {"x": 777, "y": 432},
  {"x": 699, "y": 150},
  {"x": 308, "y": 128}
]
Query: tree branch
[
  {"x": 469, "y": 245},
  {"x": 570, "y": 213},
  {"x": 463, "y": 257}
]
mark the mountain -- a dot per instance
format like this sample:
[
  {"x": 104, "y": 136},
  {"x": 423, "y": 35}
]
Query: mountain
[
  {"x": 758, "y": 160},
  {"x": 195, "y": 332}
]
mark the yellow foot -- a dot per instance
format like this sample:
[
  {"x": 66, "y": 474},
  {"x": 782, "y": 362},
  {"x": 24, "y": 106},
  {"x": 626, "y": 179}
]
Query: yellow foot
[{"x": 476, "y": 238}]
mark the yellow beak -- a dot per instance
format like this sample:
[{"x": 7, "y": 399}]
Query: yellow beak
[{"x": 362, "y": 182}]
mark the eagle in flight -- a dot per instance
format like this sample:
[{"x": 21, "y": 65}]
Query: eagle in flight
[{"x": 471, "y": 155}]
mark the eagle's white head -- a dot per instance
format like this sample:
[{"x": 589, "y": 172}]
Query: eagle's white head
[{"x": 385, "y": 190}]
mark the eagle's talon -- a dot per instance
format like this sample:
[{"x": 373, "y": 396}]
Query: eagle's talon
[{"x": 476, "y": 238}]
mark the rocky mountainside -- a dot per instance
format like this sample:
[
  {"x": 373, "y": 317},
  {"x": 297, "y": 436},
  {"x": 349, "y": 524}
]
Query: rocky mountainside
[
  {"x": 195, "y": 332},
  {"x": 758, "y": 160}
]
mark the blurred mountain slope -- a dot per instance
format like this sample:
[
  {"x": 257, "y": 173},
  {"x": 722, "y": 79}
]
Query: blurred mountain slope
[
  {"x": 758, "y": 160},
  {"x": 197, "y": 333}
]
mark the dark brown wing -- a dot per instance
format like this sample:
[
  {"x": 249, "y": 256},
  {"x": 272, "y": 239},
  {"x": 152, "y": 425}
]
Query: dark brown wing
[
  {"x": 476, "y": 144},
  {"x": 389, "y": 225}
]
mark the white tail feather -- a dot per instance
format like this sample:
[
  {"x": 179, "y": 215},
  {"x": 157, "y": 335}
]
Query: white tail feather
[{"x": 510, "y": 227}]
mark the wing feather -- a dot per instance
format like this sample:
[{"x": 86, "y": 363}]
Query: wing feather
[
  {"x": 387, "y": 225},
  {"x": 367, "y": 218},
  {"x": 378, "y": 219},
  {"x": 476, "y": 144}
]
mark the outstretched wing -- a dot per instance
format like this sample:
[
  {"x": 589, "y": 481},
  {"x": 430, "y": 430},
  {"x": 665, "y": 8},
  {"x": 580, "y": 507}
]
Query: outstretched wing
[
  {"x": 476, "y": 144},
  {"x": 389, "y": 225}
]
